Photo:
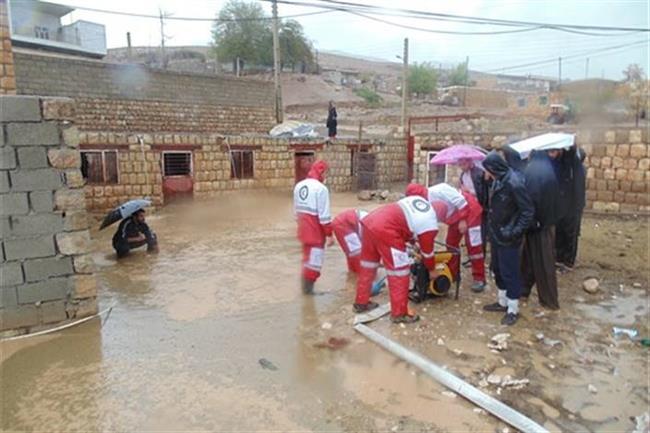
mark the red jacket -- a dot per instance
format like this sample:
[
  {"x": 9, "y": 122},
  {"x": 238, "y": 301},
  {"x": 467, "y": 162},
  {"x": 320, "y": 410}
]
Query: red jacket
[
  {"x": 389, "y": 224},
  {"x": 471, "y": 212},
  {"x": 311, "y": 203}
]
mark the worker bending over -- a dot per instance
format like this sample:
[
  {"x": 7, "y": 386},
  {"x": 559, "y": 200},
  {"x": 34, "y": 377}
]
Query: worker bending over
[
  {"x": 347, "y": 230},
  {"x": 311, "y": 205},
  {"x": 386, "y": 232},
  {"x": 463, "y": 215}
]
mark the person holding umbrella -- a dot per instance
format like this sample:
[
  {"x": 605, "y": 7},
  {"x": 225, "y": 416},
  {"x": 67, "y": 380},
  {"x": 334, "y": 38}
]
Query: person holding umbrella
[{"x": 133, "y": 231}]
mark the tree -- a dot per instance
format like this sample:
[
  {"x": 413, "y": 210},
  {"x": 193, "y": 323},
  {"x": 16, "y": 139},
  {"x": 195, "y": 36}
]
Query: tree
[
  {"x": 635, "y": 90},
  {"x": 458, "y": 75},
  {"x": 422, "y": 79},
  {"x": 244, "y": 31},
  {"x": 633, "y": 73}
]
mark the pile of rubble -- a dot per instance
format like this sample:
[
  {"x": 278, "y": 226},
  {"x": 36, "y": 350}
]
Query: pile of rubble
[{"x": 379, "y": 195}]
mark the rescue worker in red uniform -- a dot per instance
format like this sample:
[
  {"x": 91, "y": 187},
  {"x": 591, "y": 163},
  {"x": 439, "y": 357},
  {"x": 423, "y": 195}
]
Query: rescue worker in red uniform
[
  {"x": 386, "y": 231},
  {"x": 347, "y": 231},
  {"x": 311, "y": 205},
  {"x": 462, "y": 213}
]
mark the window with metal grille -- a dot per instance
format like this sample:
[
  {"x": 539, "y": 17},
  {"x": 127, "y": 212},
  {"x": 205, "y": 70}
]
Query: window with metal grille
[
  {"x": 100, "y": 166},
  {"x": 41, "y": 32},
  {"x": 177, "y": 163},
  {"x": 241, "y": 164}
]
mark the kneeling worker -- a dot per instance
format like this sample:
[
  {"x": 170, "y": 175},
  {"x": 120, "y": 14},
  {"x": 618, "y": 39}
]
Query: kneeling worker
[
  {"x": 132, "y": 233},
  {"x": 386, "y": 232},
  {"x": 347, "y": 230}
]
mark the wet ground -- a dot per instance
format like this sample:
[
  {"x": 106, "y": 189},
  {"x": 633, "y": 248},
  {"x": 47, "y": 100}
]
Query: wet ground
[{"x": 213, "y": 334}]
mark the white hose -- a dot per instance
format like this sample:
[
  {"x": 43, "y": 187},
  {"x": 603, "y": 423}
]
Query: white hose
[
  {"x": 492, "y": 405},
  {"x": 62, "y": 327}
]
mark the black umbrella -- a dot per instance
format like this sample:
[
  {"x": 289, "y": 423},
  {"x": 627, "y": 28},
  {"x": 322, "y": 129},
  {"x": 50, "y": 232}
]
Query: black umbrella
[{"x": 123, "y": 211}]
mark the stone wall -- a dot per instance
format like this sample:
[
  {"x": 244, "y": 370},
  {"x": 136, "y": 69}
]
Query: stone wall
[
  {"x": 137, "y": 99},
  {"x": 141, "y": 172},
  {"x": 618, "y": 163},
  {"x": 46, "y": 275},
  {"x": 7, "y": 76}
]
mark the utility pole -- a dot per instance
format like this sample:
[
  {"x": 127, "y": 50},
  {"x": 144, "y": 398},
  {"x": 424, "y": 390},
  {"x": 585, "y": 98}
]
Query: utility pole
[
  {"x": 466, "y": 81},
  {"x": 129, "y": 51},
  {"x": 163, "y": 56},
  {"x": 587, "y": 68},
  {"x": 405, "y": 71},
  {"x": 559, "y": 76},
  {"x": 276, "y": 64}
]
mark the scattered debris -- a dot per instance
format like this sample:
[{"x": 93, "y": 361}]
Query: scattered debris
[
  {"x": 590, "y": 285},
  {"x": 326, "y": 325},
  {"x": 268, "y": 365},
  {"x": 483, "y": 383},
  {"x": 479, "y": 411},
  {"x": 458, "y": 352},
  {"x": 449, "y": 394},
  {"x": 499, "y": 342},
  {"x": 365, "y": 195},
  {"x": 642, "y": 423},
  {"x": 632, "y": 333},
  {"x": 441, "y": 342},
  {"x": 384, "y": 194},
  {"x": 637, "y": 285},
  {"x": 592, "y": 389},
  {"x": 548, "y": 341},
  {"x": 494, "y": 379},
  {"x": 333, "y": 343}
]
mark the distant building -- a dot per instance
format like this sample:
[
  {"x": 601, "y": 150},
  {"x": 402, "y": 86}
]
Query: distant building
[{"x": 37, "y": 24}]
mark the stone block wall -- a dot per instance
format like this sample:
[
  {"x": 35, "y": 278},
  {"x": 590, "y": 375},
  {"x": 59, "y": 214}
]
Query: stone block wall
[
  {"x": 7, "y": 75},
  {"x": 617, "y": 163},
  {"x": 133, "y": 98},
  {"x": 46, "y": 272}
]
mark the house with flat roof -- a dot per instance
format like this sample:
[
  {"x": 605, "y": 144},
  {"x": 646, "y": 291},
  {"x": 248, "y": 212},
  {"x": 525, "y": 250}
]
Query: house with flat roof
[{"x": 38, "y": 24}]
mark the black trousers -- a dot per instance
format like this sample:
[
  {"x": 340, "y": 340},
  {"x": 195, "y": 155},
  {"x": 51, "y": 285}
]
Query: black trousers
[
  {"x": 566, "y": 238},
  {"x": 124, "y": 247},
  {"x": 538, "y": 267}
]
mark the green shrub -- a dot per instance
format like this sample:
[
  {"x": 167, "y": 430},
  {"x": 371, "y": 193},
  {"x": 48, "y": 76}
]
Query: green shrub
[{"x": 371, "y": 97}]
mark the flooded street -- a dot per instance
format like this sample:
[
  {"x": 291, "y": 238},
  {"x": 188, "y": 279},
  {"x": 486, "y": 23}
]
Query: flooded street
[{"x": 213, "y": 333}]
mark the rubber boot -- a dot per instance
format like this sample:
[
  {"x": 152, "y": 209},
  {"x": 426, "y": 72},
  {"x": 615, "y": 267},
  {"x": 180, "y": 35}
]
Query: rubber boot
[{"x": 307, "y": 286}]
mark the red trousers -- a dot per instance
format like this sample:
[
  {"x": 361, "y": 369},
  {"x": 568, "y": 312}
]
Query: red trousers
[
  {"x": 474, "y": 245},
  {"x": 392, "y": 252},
  {"x": 350, "y": 244},
  {"x": 312, "y": 261}
]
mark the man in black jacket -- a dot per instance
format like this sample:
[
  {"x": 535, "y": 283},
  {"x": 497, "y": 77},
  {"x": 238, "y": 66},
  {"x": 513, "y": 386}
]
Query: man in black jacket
[
  {"x": 511, "y": 213},
  {"x": 538, "y": 258},
  {"x": 133, "y": 232}
]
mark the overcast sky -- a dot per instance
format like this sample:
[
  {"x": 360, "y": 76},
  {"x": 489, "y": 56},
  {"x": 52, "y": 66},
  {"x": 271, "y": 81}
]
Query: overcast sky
[{"x": 338, "y": 31}]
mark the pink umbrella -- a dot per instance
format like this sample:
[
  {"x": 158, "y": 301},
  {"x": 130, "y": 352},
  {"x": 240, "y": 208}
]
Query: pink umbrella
[{"x": 452, "y": 154}]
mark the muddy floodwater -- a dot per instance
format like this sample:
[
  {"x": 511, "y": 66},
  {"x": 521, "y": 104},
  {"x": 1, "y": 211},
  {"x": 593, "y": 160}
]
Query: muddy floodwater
[{"x": 213, "y": 334}]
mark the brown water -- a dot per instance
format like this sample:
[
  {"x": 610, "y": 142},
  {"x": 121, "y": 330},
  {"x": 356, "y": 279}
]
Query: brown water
[{"x": 181, "y": 349}]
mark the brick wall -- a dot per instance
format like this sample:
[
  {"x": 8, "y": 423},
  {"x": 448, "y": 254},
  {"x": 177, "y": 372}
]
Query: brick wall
[
  {"x": 618, "y": 163},
  {"x": 46, "y": 271},
  {"x": 7, "y": 76},
  {"x": 141, "y": 174},
  {"x": 135, "y": 98}
]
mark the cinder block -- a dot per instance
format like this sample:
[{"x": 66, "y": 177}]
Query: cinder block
[
  {"x": 41, "y": 269},
  {"x": 41, "y": 201},
  {"x": 606, "y": 162},
  {"x": 636, "y": 136},
  {"x": 612, "y": 185},
  {"x": 4, "y": 182},
  {"x": 7, "y": 158},
  {"x": 630, "y": 163},
  {"x": 11, "y": 274},
  {"x": 48, "y": 290},
  {"x": 33, "y": 134},
  {"x": 18, "y": 249},
  {"x": 74, "y": 179},
  {"x": 52, "y": 312},
  {"x": 605, "y": 196},
  {"x": 644, "y": 164},
  {"x": 622, "y": 136},
  {"x": 619, "y": 196},
  {"x": 73, "y": 243},
  {"x": 71, "y": 136},
  {"x": 59, "y": 109},
  {"x": 36, "y": 224},
  {"x": 617, "y": 162},
  {"x": 22, "y": 316},
  {"x": 626, "y": 185},
  {"x": 42, "y": 179},
  {"x": 79, "y": 308},
  {"x": 621, "y": 173},
  {"x": 599, "y": 150},
  {"x": 638, "y": 187},
  {"x": 32, "y": 157},
  {"x": 20, "y": 108},
  {"x": 592, "y": 195},
  {"x": 8, "y": 297},
  {"x": 14, "y": 204}
]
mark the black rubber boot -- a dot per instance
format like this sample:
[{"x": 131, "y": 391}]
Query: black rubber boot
[
  {"x": 364, "y": 308},
  {"x": 307, "y": 287},
  {"x": 496, "y": 307},
  {"x": 509, "y": 319}
]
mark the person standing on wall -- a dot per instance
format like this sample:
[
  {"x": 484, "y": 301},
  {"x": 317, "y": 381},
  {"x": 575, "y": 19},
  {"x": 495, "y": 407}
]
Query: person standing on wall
[
  {"x": 311, "y": 205},
  {"x": 511, "y": 213},
  {"x": 386, "y": 231},
  {"x": 331, "y": 121},
  {"x": 538, "y": 257}
]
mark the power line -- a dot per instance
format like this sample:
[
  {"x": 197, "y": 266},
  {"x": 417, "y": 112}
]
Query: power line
[
  {"x": 468, "y": 19},
  {"x": 139, "y": 15}
]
